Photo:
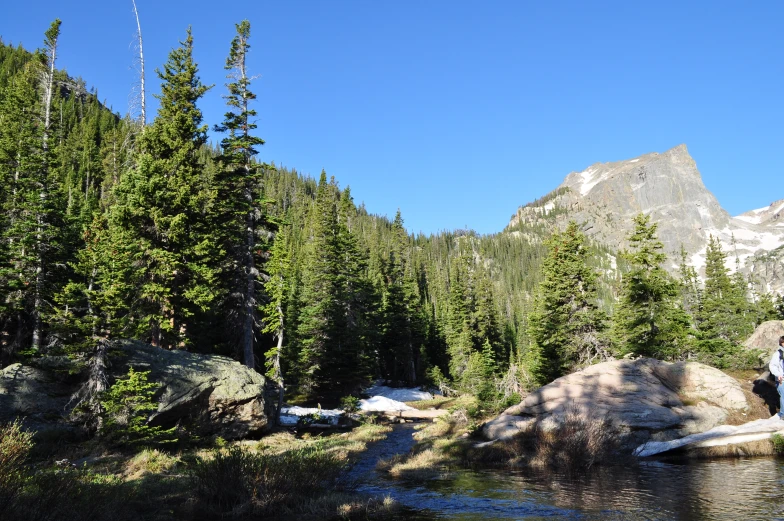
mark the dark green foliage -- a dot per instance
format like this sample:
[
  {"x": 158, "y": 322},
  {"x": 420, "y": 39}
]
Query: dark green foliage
[
  {"x": 159, "y": 211},
  {"x": 647, "y": 320},
  {"x": 240, "y": 211},
  {"x": 724, "y": 318},
  {"x": 127, "y": 406},
  {"x": 566, "y": 325}
]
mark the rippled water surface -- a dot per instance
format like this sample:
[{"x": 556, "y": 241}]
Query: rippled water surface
[{"x": 725, "y": 489}]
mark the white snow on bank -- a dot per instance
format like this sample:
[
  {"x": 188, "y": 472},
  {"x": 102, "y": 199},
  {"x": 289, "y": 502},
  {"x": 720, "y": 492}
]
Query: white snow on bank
[
  {"x": 290, "y": 415},
  {"x": 722, "y": 435},
  {"x": 746, "y": 218},
  {"x": 381, "y": 403},
  {"x": 633, "y": 160},
  {"x": 400, "y": 395}
]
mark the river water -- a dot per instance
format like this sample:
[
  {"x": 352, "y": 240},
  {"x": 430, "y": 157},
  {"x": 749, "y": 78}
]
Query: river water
[{"x": 721, "y": 489}]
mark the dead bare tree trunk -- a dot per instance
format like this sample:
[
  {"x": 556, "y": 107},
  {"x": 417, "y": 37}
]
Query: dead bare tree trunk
[
  {"x": 50, "y": 42},
  {"x": 143, "y": 100},
  {"x": 88, "y": 396}
]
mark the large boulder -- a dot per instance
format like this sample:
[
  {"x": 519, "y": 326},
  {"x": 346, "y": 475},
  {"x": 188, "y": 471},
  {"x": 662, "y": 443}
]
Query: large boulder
[
  {"x": 646, "y": 397},
  {"x": 208, "y": 394},
  {"x": 213, "y": 395},
  {"x": 39, "y": 397},
  {"x": 766, "y": 337}
]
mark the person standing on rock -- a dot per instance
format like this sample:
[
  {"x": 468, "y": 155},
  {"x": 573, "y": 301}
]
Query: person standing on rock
[{"x": 776, "y": 367}]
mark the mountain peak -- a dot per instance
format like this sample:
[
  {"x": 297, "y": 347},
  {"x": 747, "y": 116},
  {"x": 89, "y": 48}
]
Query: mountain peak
[{"x": 605, "y": 197}]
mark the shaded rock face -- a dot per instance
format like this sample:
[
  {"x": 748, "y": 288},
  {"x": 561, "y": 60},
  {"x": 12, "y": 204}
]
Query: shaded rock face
[
  {"x": 214, "y": 395},
  {"x": 211, "y": 395},
  {"x": 605, "y": 197},
  {"x": 642, "y": 397},
  {"x": 37, "y": 396}
]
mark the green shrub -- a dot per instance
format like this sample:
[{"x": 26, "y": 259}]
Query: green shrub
[
  {"x": 74, "y": 494},
  {"x": 349, "y": 404},
  {"x": 778, "y": 443},
  {"x": 126, "y": 408},
  {"x": 15, "y": 445}
]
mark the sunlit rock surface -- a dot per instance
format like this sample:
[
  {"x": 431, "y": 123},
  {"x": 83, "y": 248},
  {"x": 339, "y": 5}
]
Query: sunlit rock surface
[
  {"x": 718, "y": 436},
  {"x": 642, "y": 396}
]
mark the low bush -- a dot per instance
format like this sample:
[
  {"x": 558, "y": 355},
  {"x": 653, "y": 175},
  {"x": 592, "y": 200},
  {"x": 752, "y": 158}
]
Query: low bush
[
  {"x": 15, "y": 446},
  {"x": 778, "y": 443},
  {"x": 126, "y": 408},
  {"x": 349, "y": 404},
  {"x": 238, "y": 482},
  {"x": 571, "y": 443}
]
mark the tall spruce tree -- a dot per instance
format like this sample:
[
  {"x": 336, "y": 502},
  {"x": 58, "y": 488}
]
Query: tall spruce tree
[
  {"x": 320, "y": 320},
  {"x": 404, "y": 324},
  {"x": 32, "y": 206},
  {"x": 722, "y": 320},
  {"x": 566, "y": 325},
  {"x": 240, "y": 203},
  {"x": 647, "y": 320},
  {"x": 160, "y": 208}
]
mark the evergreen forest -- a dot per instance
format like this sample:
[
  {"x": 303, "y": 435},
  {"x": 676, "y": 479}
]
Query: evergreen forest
[{"x": 116, "y": 227}]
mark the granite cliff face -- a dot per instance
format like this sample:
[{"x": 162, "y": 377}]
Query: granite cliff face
[{"x": 606, "y": 196}]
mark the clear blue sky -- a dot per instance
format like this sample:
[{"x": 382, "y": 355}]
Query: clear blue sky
[{"x": 458, "y": 112}]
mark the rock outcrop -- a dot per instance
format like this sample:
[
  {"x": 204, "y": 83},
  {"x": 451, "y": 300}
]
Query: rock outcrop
[
  {"x": 605, "y": 197},
  {"x": 37, "y": 396},
  {"x": 766, "y": 338},
  {"x": 645, "y": 398},
  {"x": 211, "y": 395},
  {"x": 214, "y": 394}
]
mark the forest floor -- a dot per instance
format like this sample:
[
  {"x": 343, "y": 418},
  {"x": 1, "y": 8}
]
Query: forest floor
[{"x": 281, "y": 476}]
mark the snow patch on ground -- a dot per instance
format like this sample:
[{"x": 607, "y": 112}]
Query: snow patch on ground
[
  {"x": 291, "y": 415},
  {"x": 748, "y": 219},
  {"x": 587, "y": 180},
  {"x": 381, "y": 403},
  {"x": 721, "y": 435},
  {"x": 398, "y": 394},
  {"x": 633, "y": 160}
]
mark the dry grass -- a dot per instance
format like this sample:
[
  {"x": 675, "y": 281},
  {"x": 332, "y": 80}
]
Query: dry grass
[
  {"x": 150, "y": 461},
  {"x": 574, "y": 443},
  {"x": 737, "y": 450},
  {"x": 438, "y": 402}
]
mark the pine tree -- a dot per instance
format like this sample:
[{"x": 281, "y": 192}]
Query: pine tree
[
  {"x": 403, "y": 329},
  {"x": 722, "y": 320},
  {"x": 647, "y": 320},
  {"x": 566, "y": 325},
  {"x": 32, "y": 208},
  {"x": 160, "y": 207},
  {"x": 320, "y": 314},
  {"x": 240, "y": 209}
]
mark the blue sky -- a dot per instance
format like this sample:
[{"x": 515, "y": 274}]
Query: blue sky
[{"x": 458, "y": 112}]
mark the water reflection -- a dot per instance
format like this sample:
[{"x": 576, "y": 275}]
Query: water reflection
[{"x": 730, "y": 489}]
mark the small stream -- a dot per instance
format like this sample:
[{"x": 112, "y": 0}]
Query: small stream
[{"x": 722, "y": 489}]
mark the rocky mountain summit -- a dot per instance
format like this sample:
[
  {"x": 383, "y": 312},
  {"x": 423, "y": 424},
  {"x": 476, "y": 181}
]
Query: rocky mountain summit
[{"x": 606, "y": 196}]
